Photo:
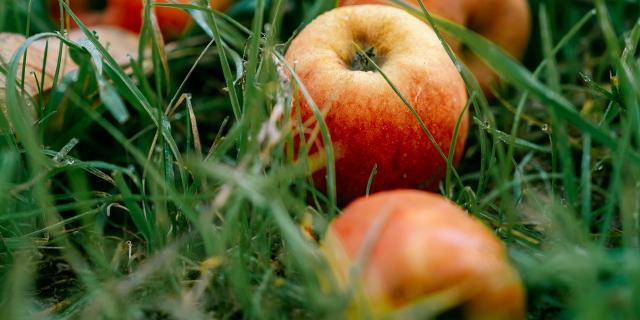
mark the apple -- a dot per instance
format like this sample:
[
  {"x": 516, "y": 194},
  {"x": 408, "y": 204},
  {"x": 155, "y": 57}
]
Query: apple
[
  {"x": 369, "y": 124},
  {"x": 84, "y": 9},
  {"x": 507, "y": 23},
  {"x": 418, "y": 245},
  {"x": 128, "y": 14}
]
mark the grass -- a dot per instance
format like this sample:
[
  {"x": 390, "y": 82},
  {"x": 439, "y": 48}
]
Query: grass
[{"x": 170, "y": 193}]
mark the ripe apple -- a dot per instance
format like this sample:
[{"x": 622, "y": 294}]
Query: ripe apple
[
  {"x": 505, "y": 22},
  {"x": 418, "y": 245},
  {"x": 128, "y": 14},
  {"x": 84, "y": 9},
  {"x": 369, "y": 124}
]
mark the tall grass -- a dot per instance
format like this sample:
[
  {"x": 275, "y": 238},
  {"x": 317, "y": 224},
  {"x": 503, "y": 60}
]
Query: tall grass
[{"x": 168, "y": 190}]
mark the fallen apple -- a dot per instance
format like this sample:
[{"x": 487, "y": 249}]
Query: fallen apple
[
  {"x": 507, "y": 23},
  {"x": 128, "y": 14},
  {"x": 87, "y": 10},
  {"x": 42, "y": 70},
  {"x": 416, "y": 247},
  {"x": 368, "y": 122}
]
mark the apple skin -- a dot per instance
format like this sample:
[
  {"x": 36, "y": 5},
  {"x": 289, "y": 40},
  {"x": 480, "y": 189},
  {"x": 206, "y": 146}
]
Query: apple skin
[
  {"x": 507, "y": 23},
  {"x": 425, "y": 246},
  {"x": 128, "y": 14},
  {"x": 369, "y": 124}
]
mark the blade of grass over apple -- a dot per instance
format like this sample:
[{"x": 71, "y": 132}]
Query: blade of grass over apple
[
  {"x": 24, "y": 57},
  {"x": 415, "y": 114},
  {"x": 42, "y": 83},
  {"x": 326, "y": 136},
  {"x": 360, "y": 263},
  {"x": 37, "y": 163},
  {"x": 433, "y": 306},
  {"x": 117, "y": 74},
  {"x": 151, "y": 30},
  {"x": 19, "y": 120},
  {"x": 479, "y": 101},
  {"x": 303, "y": 151},
  {"x": 452, "y": 146},
  {"x": 232, "y": 31},
  {"x": 374, "y": 172},
  {"x": 56, "y": 74}
]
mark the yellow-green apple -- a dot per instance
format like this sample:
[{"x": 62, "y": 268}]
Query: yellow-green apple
[
  {"x": 505, "y": 22},
  {"x": 368, "y": 122},
  {"x": 413, "y": 246}
]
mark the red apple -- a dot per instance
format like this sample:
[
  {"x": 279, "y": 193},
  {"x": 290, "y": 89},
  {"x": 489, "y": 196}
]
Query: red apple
[
  {"x": 505, "y": 22},
  {"x": 369, "y": 124},
  {"x": 422, "y": 246},
  {"x": 128, "y": 14},
  {"x": 82, "y": 8}
]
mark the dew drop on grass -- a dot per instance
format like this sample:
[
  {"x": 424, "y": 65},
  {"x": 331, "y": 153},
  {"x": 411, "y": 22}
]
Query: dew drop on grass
[{"x": 545, "y": 128}]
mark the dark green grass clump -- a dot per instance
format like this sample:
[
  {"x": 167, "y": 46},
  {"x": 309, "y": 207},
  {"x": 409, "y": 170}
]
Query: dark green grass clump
[{"x": 170, "y": 193}]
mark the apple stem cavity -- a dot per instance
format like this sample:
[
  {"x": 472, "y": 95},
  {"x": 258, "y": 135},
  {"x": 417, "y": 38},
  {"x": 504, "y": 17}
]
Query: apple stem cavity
[
  {"x": 98, "y": 5},
  {"x": 362, "y": 59}
]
